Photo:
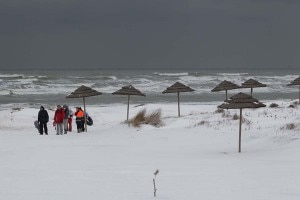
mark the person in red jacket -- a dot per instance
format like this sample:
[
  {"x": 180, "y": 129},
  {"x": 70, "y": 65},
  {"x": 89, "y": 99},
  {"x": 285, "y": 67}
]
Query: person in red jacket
[{"x": 58, "y": 120}]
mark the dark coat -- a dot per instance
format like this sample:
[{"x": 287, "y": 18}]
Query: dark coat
[{"x": 43, "y": 116}]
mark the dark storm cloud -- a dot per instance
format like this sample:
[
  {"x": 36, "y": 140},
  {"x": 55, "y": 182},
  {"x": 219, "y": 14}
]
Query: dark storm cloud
[{"x": 149, "y": 34}]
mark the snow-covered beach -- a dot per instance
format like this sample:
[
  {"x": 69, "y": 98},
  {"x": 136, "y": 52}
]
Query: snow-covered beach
[
  {"x": 196, "y": 155},
  {"x": 184, "y": 100}
]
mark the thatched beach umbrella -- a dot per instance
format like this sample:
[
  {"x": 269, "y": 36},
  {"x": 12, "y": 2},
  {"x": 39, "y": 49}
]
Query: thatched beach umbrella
[
  {"x": 177, "y": 88},
  {"x": 83, "y": 92},
  {"x": 296, "y": 82},
  {"x": 225, "y": 85},
  {"x": 251, "y": 83},
  {"x": 128, "y": 90},
  {"x": 240, "y": 101}
]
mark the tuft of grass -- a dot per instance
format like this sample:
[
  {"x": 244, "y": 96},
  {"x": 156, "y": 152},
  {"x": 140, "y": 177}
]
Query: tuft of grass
[
  {"x": 142, "y": 117},
  {"x": 202, "y": 123},
  {"x": 219, "y": 110},
  {"x": 154, "y": 118},
  {"x": 294, "y": 103},
  {"x": 17, "y": 109},
  {"x": 235, "y": 117},
  {"x": 138, "y": 118},
  {"x": 273, "y": 105},
  {"x": 290, "y": 126},
  {"x": 226, "y": 114}
]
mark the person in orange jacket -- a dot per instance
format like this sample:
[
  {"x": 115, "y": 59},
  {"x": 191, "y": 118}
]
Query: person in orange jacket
[
  {"x": 79, "y": 119},
  {"x": 59, "y": 119}
]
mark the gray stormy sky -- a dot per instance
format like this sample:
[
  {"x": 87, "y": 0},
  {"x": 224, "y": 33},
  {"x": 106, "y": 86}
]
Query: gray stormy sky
[{"x": 149, "y": 34}]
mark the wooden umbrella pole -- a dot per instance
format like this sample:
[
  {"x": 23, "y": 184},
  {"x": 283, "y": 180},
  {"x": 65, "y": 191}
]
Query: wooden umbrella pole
[
  {"x": 240, "y": 131},
  {"x": 85, "y": 126},
  {"x": 299, "y": 94},
  {"x": 128, "y": 108},
  {"x": 178, "y": 99}
]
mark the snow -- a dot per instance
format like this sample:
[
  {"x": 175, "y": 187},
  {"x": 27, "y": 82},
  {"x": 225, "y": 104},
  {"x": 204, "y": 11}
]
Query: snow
[{"x": 196, "y": 155}]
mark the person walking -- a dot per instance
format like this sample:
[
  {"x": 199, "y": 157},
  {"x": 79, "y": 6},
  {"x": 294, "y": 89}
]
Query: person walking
[
  {"x": 66, "y": 118},
  {"x": 43, "y": 119},
  {"x": 79, "y": 119},
  {"x": 59, "y": 119}
]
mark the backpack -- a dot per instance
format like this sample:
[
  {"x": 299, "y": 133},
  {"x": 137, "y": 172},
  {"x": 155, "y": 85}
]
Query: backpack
[{"x": 89, "y": 121}]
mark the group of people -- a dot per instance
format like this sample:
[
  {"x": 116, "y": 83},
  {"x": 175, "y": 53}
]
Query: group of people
[{"x": 63, "y": 118}]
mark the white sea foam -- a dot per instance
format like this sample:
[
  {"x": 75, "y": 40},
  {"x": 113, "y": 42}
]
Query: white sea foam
[
  {"x": 232, "y": 74},
  {"x": 173, "y": 74},
  {"x": 11, "y": 75},
  {"x": 107, "y": 77},
  {"x": 199, "y": 79}
]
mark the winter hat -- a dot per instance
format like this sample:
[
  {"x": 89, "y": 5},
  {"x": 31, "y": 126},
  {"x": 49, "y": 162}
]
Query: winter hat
[{"x": 42, "y": 107}]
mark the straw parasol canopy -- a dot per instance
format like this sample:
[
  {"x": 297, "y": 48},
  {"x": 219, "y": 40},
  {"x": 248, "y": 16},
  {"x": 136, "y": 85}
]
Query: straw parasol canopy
[
  {"x": 251, "y": 83},
  {"x": 177, "y": 88},
  {"x": 225, "y": 85},
  {"x": 240, "y": 101},
  {"x": 296, "y": 82},
  {"x": 83, "y": 92},
  {"x": 128, "y": 90}
]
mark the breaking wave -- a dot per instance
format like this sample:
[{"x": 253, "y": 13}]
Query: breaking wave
[{"x": 53, "y": 85}]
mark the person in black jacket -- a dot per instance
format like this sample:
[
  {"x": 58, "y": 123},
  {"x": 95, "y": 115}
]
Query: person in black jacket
[{"x": 43, "y": 119}]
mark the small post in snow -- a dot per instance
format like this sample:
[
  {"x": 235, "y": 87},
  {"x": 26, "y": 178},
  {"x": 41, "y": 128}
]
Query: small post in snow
[{"x": 154, "y": 185}]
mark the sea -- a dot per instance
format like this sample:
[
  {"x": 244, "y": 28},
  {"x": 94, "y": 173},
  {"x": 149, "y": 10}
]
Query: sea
[{"x": 50, "y": 87}]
